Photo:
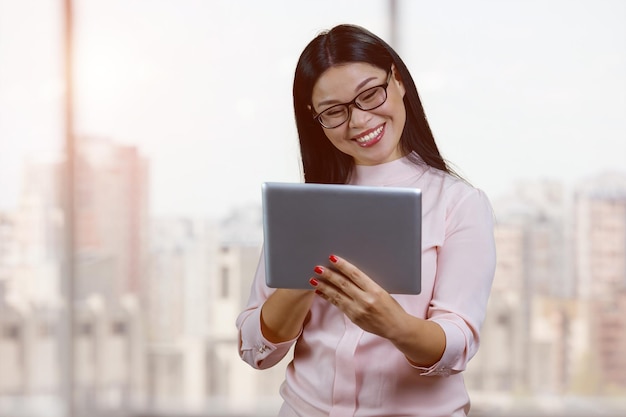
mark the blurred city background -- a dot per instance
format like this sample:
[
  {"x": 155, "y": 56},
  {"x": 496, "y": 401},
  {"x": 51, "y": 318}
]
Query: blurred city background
[{"x": 130, "y": 219}]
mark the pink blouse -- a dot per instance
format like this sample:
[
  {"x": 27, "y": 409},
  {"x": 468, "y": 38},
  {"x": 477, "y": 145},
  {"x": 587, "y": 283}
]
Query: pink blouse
[{"x": 338, "y": 369}]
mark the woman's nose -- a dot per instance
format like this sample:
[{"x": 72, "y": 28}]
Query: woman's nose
[{"x": 358, "y": 117}]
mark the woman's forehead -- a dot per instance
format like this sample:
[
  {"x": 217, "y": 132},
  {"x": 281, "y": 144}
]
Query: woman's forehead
[
  {"x": 344, "y": 79},
  {"x": 344, "y": 71}
]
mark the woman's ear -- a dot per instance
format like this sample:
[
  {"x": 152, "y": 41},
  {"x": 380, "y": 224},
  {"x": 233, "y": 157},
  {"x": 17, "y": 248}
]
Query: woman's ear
[
  {"x": 397, "y": 79},
  {"x": 396, "y": 73}
]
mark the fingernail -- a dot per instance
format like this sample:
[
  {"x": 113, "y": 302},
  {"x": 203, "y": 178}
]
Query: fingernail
[
  {"x": 318, "y": 270},
  {"x": 333, "y": 259},
  {"x": 313, "y": 282}
]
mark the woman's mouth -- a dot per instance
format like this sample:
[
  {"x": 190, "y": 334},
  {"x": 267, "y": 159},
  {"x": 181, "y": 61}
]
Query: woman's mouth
[{"x": 370, "y": 138}]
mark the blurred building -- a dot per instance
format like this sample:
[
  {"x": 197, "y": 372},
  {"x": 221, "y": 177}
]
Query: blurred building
[
  {"x": 8, "y": 252},
  {"x": 241, "y": 248},
  {"x": 600, "y": 243},
  {"x": 556, "y": 323},
  {"x": 601, "y": 277},
  {"x": 111, "y": 237},
  {"x": 111, "y": 250},
  {"x": 30, "y": 292},
  {"x": 524, "y": 335},
  {"x": 38, "y": 234},
  {"x": 112, "y": 219},
  {"x": 200, "y": 279},
  {"x": 182, "y": 256}
]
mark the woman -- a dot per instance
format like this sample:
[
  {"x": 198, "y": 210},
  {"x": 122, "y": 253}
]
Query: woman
[{"x": 360, "y": 351}]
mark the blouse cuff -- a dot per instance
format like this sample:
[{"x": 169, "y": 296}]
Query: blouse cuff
[
  {"x": 256, "y": 349},
  {"x": 452, "y": 355}
]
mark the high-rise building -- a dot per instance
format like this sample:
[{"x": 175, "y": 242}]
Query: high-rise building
[
  {"x": 601, "y": 274},
  {"x": 39, "y": 233},
  {"x": 30, "y": 287},
  {"x": 524, "y": 334},
  {"x": 112, "y": 219},
  {"x": 249, "y": 391},
  {"x": 556, "y": 321},
  {"x": 600, "y": 231},
  {"x": 8, "y": 252},
  {"x": 111, "y": 257},
  {"x": 178, "y": 302},
  {"x": 200, "y": 279}
]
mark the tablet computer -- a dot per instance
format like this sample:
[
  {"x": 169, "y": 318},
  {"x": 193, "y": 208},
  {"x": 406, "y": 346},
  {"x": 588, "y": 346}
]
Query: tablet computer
[{"x": 378, "y": 229}]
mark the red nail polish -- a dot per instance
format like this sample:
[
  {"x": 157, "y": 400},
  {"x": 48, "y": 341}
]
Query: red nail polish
[
  {"x": 333, "y": 259},
  {"x": 318, "y": 270},
  {"x": 313, "y": 282}
]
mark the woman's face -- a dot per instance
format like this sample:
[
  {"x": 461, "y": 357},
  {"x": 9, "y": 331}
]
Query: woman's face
[{"x": 371, "y": 137}]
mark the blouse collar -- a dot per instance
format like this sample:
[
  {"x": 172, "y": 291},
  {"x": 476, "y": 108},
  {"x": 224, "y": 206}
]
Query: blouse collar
[{"x": 388, "y": 173}]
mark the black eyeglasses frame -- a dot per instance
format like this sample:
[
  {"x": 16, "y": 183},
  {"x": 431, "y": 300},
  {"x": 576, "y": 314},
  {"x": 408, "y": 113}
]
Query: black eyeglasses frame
[{"x": 354, "y": 103}]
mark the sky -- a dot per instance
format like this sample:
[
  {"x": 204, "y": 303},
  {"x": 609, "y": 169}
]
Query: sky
[{"x": 514, "y": 90}]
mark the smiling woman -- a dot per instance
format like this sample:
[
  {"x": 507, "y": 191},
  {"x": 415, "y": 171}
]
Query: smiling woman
[{"x": 360, "y": 121}]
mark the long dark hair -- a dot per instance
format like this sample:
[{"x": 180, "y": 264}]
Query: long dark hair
[{"x": 321, "y": 161}]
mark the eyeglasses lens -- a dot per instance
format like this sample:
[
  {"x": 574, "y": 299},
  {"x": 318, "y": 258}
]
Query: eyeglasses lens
[{"x": 367, "y": 100}]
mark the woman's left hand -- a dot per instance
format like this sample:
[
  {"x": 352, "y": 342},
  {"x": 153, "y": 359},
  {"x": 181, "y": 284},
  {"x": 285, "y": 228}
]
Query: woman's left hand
[{"x": 367, "y": 304}]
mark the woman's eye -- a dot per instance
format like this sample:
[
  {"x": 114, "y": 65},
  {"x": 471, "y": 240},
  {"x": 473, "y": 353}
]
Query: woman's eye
[
  {"x": 334, "y": 112},
  {"x": 369, "y": 95}
]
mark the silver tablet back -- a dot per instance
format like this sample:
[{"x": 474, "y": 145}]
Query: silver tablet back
[{"x": 378, "y": 229}]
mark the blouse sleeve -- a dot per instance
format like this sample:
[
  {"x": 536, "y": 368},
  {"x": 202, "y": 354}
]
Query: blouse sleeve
[
  {"x": 255, "y": 349},
  {"x": 465, "y": 271}
]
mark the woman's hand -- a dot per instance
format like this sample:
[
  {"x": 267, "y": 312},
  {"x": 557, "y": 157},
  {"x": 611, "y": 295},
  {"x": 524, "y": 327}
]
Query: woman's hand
[
  {"x": 367, "y": 304},
  {"x": 374, "y": 310}
]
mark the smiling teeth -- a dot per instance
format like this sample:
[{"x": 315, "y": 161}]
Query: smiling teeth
[{"x": 370, "y": 136}]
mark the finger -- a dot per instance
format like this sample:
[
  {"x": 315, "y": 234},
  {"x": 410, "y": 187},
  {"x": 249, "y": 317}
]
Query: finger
[
  {"x": 351, "y": 272},
  {"x": 324, "y": 284},
  {"x": 326, "y": 291},
  {"x": 336, "y": 280}
]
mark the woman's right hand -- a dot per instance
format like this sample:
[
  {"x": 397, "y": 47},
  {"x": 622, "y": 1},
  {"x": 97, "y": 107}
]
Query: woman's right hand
[{"x": 284, "y": 312}]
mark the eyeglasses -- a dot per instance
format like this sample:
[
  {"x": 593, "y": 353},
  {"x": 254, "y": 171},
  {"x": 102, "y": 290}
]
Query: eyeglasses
[{"x": 369, "y": 99}]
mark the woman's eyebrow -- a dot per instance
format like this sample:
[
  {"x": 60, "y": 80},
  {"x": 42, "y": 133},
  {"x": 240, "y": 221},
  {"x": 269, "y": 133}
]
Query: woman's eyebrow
[
  {"x": 356, "y": 89},
  {"x": 363, "y": 83}
]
